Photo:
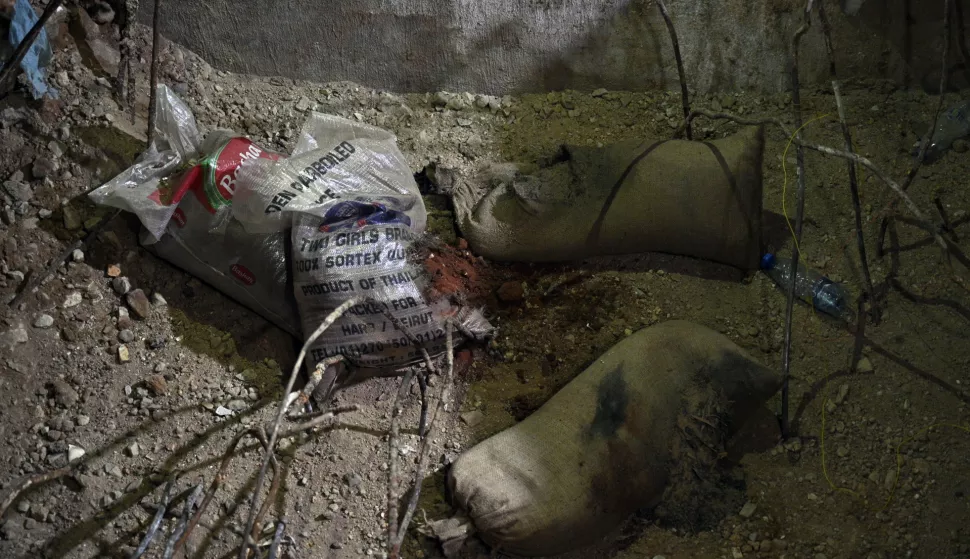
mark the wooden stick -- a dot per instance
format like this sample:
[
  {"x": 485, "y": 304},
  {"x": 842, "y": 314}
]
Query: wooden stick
[
  {"x": 853, "y": 180},
  {"x": 153, "y": 79},
  {"x": 680, "y": 63},
  {"x": 799, "y": 218}
]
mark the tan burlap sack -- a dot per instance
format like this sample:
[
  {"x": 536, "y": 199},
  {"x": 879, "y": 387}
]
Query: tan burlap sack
[
  {"x": 698, "y": 199},
  {"x": 648, "y": 416}
]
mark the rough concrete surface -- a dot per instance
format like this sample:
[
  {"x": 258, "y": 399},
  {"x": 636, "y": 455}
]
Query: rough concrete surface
[{"x": 514, "y": 46}]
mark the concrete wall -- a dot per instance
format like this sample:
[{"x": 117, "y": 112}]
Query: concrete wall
[{"x": 509, "y": 46}]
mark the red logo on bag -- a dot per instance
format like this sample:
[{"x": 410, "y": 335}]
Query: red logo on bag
[
  {"x": 243, "y": 274},
  {"x": 179, "y": 218}
]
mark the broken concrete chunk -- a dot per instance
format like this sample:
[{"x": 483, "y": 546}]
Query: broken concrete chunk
[{"x": 19, "y": 191}]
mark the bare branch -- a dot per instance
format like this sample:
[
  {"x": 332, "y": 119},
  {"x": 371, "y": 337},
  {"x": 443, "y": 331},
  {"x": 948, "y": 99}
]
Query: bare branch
[
  {"x": 30, "y": 482},
  {"x": 680, "y": 64},
  {"x": 425, "y": 452},
  {"x": 156, "y": 521},
  {"x": 153, "y": 77},
  {"x": 274, "y": 433}
]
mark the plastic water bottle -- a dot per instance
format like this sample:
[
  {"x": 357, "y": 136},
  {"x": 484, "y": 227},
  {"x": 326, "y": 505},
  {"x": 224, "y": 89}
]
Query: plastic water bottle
[
  {"x": 953, "y": 124},
  {"x": 810, "y": 286}
]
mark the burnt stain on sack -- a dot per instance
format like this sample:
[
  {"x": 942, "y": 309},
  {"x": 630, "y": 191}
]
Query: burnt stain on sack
[{"x": 612, "y": 400}]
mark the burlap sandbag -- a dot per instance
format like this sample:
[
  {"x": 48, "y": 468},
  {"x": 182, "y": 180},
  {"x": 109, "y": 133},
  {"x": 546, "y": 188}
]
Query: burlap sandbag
[
  {"x": 654, "y": 410},
  {"x": 698, "y": 199}
]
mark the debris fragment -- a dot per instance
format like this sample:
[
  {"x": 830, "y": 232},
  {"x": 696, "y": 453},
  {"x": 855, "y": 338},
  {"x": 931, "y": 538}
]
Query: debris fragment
[
  {"x": 74, "y": 453},
  {"x": 123, "y": 354},
  {"x": 73, "y": 299},
  {"x": 138, "y": 302}
]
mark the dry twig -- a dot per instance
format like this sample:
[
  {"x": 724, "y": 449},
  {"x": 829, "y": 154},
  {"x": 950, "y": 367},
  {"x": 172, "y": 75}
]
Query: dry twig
[
  {"x": 853, "y": 180},
  {"x": 680, "y": 63},
  {"x": 274, "y": 432},
  {"x": 153, "y": 78},
  {"x": 392, "y": 449},
  {"x": 32, "y": 481},
  {"x": 156, "y": 521},
  {"x": 921, "y": 221},
  {"x": 425, "y": 452},
  {"x": 928, "y": 137},
  {"x": 799, "y": 217},
  {"x": 183, "y": 522}
]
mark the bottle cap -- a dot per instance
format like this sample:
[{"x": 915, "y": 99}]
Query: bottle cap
[{"x": 768, "y": 261}]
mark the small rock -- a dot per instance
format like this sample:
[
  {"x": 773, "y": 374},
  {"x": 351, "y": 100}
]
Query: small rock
[
  {"x": 843, "y": 393},
  {"x": 114, "y": 271},
  {"x": 120, "y": 284},
  {"x": 138, "y": 302},
  {"x": 15, "y": 336},
  {"x": 133, "y": 449},
  {"x": 82, "y": 420},
  {"x": 157, "y": 384},
  {"x": 23, "y": 506},
  {"x": 77, "y": 255},
  {"x": 16, "y": 276},
  {"x": 101, "y": 12},
  {"x": 43, "y": 168},
  {"x": 44, "y": 321},
  {"x": 72, "y": 220},
  {"x": 74, "y": 453},
  {"x": 44, "y": 213},
  {"x": 960, "y": 145},
  {"x": 64, "y": 394},
  {"x": 864, "y": 365},
  {"x": 237, "y": 405},
  {"x": 599, "y": 92},
  {"x": 304, "y": 104},
  {"x": 511, "y": 292},
  {"x": 112, "y": 470},
  {"x": 126, "y": 336},
  {"x": 472, "y": 418},
  {"x": 158, "y": 300},
  {"x": 123, "y": 354},
  {"x": 30, "y": 524},
  {"x": 223, "y": 411},
  {"x": 73, "y": 299},
  {"x": 19, "y": 191},
  {"x": 842, "y": 451},
  {"x": 747, "y": 511}
]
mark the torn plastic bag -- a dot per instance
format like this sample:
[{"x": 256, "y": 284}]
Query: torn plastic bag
[
  {"x": 38, "y": 57},
  {"x": 181, "y": 189},
  {"x": 355, "y": 214}
]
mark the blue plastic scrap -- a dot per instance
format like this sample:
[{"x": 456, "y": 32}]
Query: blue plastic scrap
[{"x": 39, "y": 56}]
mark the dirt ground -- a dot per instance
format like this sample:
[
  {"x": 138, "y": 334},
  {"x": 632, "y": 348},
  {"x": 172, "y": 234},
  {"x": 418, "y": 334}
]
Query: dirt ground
[{"x": 866, "y": 404}]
